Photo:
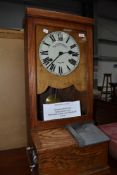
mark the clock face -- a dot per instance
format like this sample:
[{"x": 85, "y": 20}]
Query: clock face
[{"x": 59, "y": 53}]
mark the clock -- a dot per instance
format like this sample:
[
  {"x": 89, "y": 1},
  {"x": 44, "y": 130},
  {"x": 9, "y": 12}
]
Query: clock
[
  {"x": 59, "y": 53},
  {"x": 58, "y": 64},
  {"x": 59, "y": 68}
]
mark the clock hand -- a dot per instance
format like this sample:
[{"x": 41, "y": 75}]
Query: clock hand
[
  {"x": 60, "y": 53},
  {"x": 70, "y": 52}
]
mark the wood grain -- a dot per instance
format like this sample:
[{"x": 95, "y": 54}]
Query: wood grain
[
  {"x": 11, "y": 34},
  {"x": 59, "y": 153},
  {"x": 57, "y": 15}
]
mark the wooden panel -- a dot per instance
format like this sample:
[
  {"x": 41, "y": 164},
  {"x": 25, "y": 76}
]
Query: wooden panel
[
  {"x": 11, "y": 34},
  {"x": 59, "y": 153},
  {"x": 57, "y": 16},
  {"x": 12, "y": 90}
]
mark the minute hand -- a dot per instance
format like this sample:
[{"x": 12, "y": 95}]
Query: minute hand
[
  {"x": 60, "y": 53},
  {"x": 70, "y": 52}
]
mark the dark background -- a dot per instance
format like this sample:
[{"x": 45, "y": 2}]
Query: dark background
[{"x": 12, "y": 11}]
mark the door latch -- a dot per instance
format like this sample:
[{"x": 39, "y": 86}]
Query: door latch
[{"x": 32, "y": 157}]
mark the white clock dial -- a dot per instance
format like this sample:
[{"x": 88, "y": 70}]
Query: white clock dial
[{"x": 59, "y": 53}]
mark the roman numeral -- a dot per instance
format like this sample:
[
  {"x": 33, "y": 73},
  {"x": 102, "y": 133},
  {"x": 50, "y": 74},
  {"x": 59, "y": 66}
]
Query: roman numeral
[
  {"x": 47, "y": 60},
  {"x": 52, "y": 37},
  {"x": 67, "y": 39},
  {"x": 60, "y": 37},
  {"x": 68, "y": 68},
  {"x": 60, "y": 70},
  {"x": 75, "y": 54},
  {"x": 46, "y": 43},
  {"x": 52, "y": 67},
  {"x": 74, "y": 45},
  {"x": 44, "y": 52},
  {"x": 72, "y": 61}
]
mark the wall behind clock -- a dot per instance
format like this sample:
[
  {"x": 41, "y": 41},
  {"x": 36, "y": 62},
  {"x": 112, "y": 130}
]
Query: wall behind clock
[
  {"x": 12, "y": 90},
  {"x": 105, "y": 40},
  {"x": 12, "y": 11}
]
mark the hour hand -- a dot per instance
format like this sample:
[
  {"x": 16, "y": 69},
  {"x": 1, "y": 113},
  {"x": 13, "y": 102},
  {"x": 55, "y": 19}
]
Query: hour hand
[
  {"x": 70, "y": 52},
  {"x": 73, "y": 53}
]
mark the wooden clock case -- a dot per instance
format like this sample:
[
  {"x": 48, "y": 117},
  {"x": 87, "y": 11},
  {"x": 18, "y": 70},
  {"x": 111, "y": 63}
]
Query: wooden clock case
[{"x": 57, "y": 150}]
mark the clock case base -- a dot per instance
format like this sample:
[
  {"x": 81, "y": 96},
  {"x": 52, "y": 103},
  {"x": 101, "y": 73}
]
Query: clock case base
[{"x": 59, "y": 153}]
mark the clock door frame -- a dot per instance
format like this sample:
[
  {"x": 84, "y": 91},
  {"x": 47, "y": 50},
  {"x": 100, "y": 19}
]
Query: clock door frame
[{"x": 33, "y": 18}]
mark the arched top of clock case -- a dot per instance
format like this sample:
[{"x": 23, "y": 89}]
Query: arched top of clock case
[
  {"x": 33, "y": 18},
  {"x": 41, "y": 13}
]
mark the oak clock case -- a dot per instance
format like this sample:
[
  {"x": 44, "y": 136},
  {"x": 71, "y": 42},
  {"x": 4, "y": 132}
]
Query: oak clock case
[{"x": 61, "y": 66}]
